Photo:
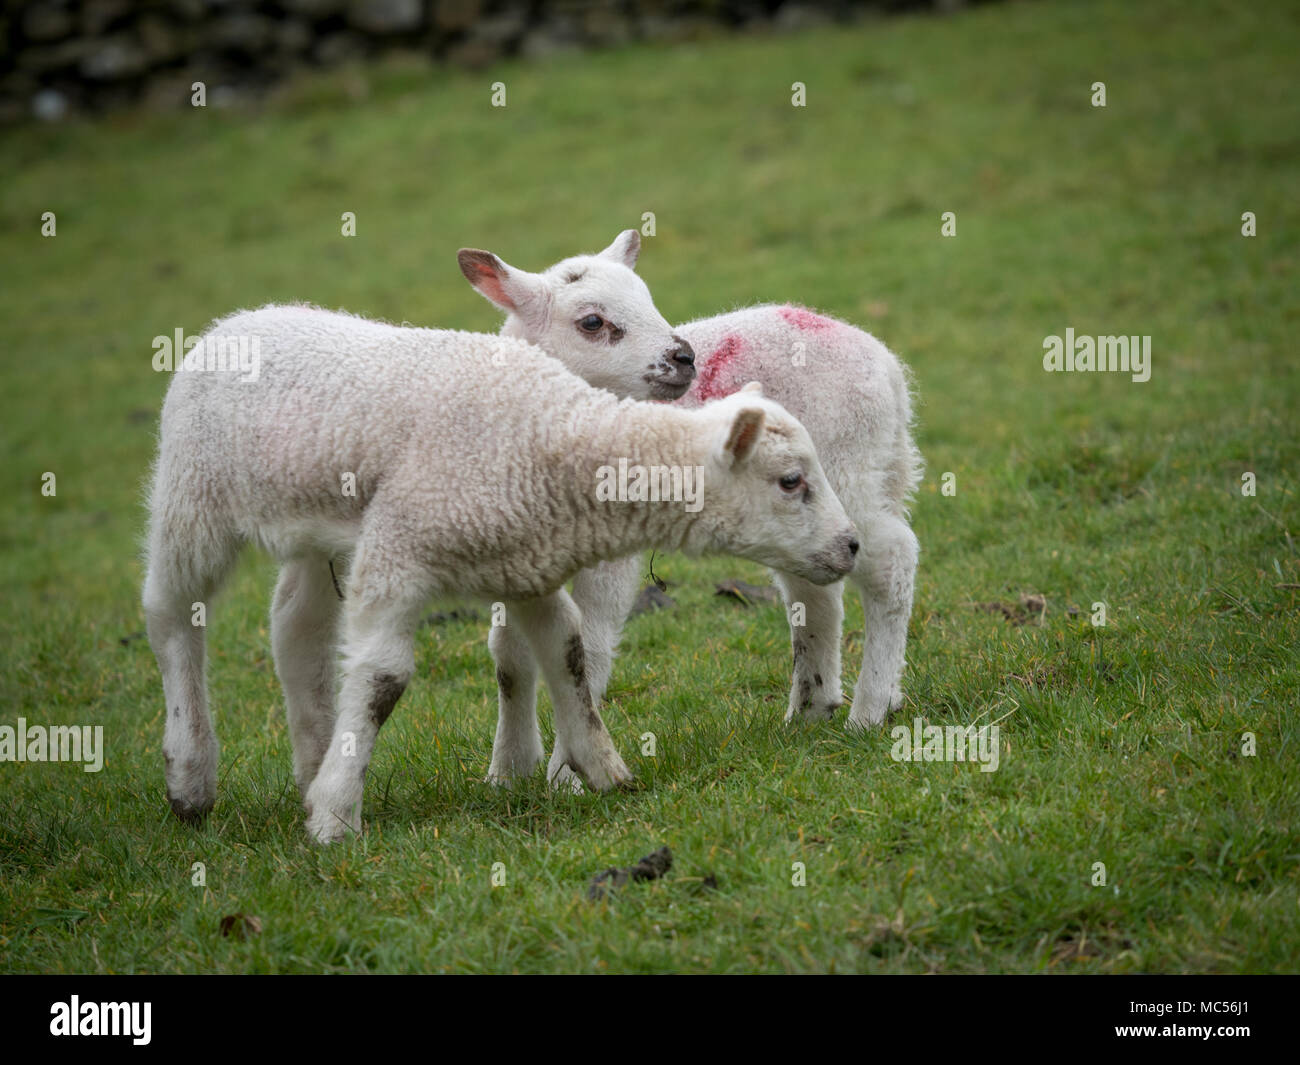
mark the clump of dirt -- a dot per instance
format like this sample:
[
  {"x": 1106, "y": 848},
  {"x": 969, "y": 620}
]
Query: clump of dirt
[
  {"x": 746, "y": 593},
  {"x": 650, "y": 600},
  {"x": 241, "y": 925},
  {"x": 651, "y": 867},
  {"x": 1031, "y": 609}
]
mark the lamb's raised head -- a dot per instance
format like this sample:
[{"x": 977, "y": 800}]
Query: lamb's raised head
[
  {"x": 767, "y": 498},
  {"x": 594, "y": 314}
]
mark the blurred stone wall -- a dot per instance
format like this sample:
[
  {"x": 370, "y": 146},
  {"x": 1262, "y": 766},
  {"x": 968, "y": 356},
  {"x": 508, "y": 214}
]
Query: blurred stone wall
[{"x": 65, "y": 56}]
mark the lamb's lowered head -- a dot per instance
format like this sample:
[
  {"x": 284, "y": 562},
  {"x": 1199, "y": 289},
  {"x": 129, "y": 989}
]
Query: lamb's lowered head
[
  {"x": 766, "y": 497},
  {"x": 594, "y": 314}
]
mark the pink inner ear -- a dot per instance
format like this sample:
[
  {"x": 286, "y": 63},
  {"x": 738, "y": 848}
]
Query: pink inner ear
[
  {"x": 489, "y": 283},
  {"x": 484, "y": 272},
  {"x": 744, "y": 437}
]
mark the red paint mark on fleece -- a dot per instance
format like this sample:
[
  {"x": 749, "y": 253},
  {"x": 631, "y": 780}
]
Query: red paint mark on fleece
[
  {"x": 709, "y": 384},
  {"x": 803, "y": 318}
]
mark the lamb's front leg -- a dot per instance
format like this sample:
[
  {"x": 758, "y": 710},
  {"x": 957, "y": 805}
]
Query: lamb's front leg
[
  {"x": 885, "y": 575},
  {"x": 816, "y": 617},
  {"x": 379, "y": 660},
  {"x": 517, "y": 749},
  {"x": 605, "y": 593},
  {"x": 552, "y": 625}
]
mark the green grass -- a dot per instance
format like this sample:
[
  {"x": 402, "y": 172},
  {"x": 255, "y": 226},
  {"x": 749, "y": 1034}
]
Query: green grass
[{"x": 1122, "y": 745}]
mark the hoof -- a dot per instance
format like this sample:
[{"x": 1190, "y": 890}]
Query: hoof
[
  {"x": 329, "y": 829},
  {"x": 188, "y": 812},
  {"x": 812, "y": 713},
  {"x": 567, "y": 780}
]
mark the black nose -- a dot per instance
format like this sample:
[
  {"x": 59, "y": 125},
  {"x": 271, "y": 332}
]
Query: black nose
[
  {"x": 684, "y": 353},
  {"x": 853, "y": 545}
]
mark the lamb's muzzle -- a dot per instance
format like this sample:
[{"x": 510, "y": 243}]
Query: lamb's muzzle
[
  {"x": 836, "y": 563},
  {"x": 684, "y": 353},
  {"x": 671, "y": 378}
]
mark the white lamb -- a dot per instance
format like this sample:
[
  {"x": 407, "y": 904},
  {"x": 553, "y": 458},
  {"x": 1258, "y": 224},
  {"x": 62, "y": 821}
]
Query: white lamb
[
  {"x": 851, "y": 393},
  {"x": 438, "y": 463}
]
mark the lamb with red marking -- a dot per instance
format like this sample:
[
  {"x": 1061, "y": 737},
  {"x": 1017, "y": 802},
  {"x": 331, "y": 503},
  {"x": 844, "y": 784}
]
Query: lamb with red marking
[{"x": 852, "y": 394}]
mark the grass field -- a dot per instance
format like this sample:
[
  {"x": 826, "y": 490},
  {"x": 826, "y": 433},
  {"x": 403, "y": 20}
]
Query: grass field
[{"x": 1121, "y": 744}]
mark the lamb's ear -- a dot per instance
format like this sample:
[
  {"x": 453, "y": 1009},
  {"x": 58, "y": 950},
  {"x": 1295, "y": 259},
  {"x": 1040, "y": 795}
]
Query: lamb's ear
[
  {"x": 514, "y": 291},
  {"x": 754, "y": 386},
  {"x": 743, "y": 435},
  {"x": 625, "y": 249}
]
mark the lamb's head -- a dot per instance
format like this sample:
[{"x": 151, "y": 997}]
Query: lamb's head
[
  {"x": 593, "y": 314},
  {"x": 766, "y": 497}
]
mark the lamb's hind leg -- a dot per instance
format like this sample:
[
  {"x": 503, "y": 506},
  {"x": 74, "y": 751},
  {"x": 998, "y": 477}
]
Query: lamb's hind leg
[
  {"x": 517, "y": 749},
  {"x": 186, "y": 566},
  {"x": 885, "y": 575},
  {"x": 552, "y": 626},
  {"x": 605, "y": 594},
  {"x": 816, "y": 616},
  {"x": 304, "y": 624}
]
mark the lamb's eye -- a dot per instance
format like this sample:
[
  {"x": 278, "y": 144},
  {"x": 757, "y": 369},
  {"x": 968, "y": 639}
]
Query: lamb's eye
[
  {"x": 792, "y": 482},
  {"x": 591, "y": 324}
]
